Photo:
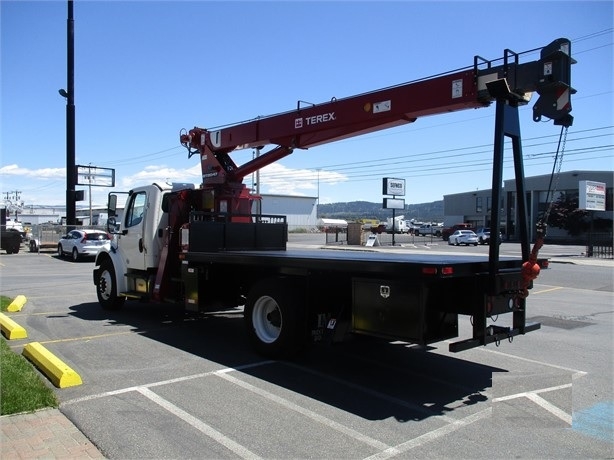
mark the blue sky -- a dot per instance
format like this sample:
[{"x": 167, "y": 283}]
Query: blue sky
[{"x": 144, "y": 70}]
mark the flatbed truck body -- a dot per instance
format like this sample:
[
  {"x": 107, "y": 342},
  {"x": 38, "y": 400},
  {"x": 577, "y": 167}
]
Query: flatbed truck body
[{"x": 395, "y": 296}]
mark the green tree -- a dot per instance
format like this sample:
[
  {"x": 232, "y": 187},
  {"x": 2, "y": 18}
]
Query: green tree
[{"x": 566, "y": 215}]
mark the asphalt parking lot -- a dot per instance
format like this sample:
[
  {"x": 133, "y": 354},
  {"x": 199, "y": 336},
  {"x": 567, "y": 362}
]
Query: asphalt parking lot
[{"x": 160, "y": 384}]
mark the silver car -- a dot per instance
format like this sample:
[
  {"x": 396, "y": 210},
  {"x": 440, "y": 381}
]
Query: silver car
[
  {"x": 465, "y": 237},
  {"x": 83, "y": 243}
]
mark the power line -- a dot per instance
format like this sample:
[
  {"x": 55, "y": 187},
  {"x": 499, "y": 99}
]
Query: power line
[{"x": 438, "y": 155}]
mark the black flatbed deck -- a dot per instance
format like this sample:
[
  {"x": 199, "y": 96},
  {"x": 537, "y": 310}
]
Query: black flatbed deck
[{"x": 353, "y": 260}]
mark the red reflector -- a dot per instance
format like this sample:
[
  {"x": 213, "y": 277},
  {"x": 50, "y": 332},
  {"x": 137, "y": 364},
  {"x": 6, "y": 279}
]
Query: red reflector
[
  {"x": 429, "y": 270},
  {"x": 447, "y": 271}
]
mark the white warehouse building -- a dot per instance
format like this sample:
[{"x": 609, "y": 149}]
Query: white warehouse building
[{"x": 300, "y": 211}]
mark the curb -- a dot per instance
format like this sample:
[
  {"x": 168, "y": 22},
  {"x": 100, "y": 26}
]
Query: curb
[
  {"x": 10, "y": 329},
  {"x": 17, "y": 303},
  {"x": 58, "y": 372}
]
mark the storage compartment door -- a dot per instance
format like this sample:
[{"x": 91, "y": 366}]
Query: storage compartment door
[{"x": 390, "y": 309}]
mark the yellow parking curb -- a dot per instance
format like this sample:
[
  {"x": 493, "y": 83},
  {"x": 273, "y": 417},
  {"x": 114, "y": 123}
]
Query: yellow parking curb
[
  {"x": 10, "y": 329},
  {"x": 17, "y": 303},
  {"x": 58, "y": 372}
]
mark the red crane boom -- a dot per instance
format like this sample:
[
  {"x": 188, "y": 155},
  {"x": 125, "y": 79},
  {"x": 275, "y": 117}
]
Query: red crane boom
[{"x": 315, "y": 124}]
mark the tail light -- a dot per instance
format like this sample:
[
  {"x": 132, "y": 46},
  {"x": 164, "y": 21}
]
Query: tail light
[
  {"x": 433, "y": 270},
  {"x": 84, "y": 240}
]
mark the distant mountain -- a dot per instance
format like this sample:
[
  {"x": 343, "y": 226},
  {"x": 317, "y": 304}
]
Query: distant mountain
[{"x": 354, "y": 210}]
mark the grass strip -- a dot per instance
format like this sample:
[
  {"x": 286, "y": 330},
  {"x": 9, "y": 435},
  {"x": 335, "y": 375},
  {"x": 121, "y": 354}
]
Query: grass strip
[{"x": 22, "y": 389}]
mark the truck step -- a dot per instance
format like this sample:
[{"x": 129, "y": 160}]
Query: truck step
[{"x": 133, "y": 294}]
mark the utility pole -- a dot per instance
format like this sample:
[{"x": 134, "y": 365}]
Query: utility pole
[
  {"x": 318, "y": 202},
  {"x": 69, "y": 94},
  {"x": 12, "y": 202},
  {"x": 89, "y": 180}
]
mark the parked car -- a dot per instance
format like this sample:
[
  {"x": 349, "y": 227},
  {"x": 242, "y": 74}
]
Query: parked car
[
  {"x": 466, "y": 237},
  {"x": 483, "y": 234},
  {"x": 429, "y": 229},
  {"x": 83, "y": 243},
  {"x": 446, "y": 232}
]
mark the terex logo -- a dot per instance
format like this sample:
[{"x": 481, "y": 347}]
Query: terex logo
[{"x": 323, "y": 118}]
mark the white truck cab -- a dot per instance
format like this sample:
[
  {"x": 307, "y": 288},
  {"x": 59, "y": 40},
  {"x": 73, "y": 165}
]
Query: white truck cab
[{"x": 138, "y": 237}]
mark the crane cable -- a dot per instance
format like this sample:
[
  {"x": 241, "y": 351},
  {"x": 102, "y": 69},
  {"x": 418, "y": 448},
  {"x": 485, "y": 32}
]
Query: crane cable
[{"x": 531, "y": 268}]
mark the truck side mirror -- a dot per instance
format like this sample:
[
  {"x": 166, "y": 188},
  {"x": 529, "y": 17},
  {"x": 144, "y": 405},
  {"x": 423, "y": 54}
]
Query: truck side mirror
[{"x": 112, "y": 206}]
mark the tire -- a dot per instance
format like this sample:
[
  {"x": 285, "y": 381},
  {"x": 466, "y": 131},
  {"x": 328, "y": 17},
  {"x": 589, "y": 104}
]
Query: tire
[
  {"x": 106, "y": 288},
  {"x": 456, "y": 243},
  {"x": 475, "y": 244},
  {"x": 75, "y": 255},
  {"x": 60, "y": 251},
  {"x": 33, "y": 247},
  {"x": 273, "y": 313}
]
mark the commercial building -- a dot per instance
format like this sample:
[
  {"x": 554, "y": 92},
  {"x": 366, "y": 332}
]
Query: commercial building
[
  {"x": 300, "y": 211},
  {"x": 475, "y": 206}
]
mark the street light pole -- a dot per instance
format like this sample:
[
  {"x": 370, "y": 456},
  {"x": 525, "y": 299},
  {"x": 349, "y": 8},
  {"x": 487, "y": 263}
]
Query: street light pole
[
  {"x": 318, "y": 205},
  {"x": 69, "y": 94},
  {"x": 89, "y": 181}
]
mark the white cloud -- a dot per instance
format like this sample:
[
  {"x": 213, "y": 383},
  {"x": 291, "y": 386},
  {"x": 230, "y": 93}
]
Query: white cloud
[
  {"x": 43, "y": 173},
  {"x": 278, "y": 179},
  {"x": 274, "y": 179},
  {"x": 162, "y": 174}
]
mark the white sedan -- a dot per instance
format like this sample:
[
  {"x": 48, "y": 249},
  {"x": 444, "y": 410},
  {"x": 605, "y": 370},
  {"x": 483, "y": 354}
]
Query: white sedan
[
  {"x": 466, "y": 237},
  {"x": 83, "y": 243}
]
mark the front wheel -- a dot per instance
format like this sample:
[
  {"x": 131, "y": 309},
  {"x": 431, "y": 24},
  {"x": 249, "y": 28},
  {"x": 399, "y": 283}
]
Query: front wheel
[
  {"x": 60, "y": 251},
  {"x": 272, "y": 315},
  {"x": 33, "y": 247},
  {"x": 106, "y": 287}
]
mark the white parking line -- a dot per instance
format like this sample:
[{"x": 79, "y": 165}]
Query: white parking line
[
  {"x": 163, "y": 382},
  {"x": 576, "y": 373},
  {"x": 567, "y": 418},
  {"x": 371, "y": 392},
  {"x": 527, "y": 393},
  {"x": 385, "y": 451},
  {"x": 534, "y": 396},
  {"x": 306, "y": 412},
  {"x": 199, "y": 425},
  {"x": 431, "y": 436}
]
